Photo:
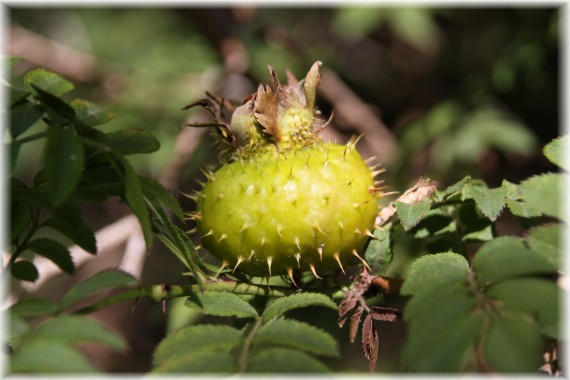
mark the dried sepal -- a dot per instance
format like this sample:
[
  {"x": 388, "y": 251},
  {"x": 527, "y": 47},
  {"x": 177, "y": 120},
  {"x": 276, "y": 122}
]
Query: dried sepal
[
  {"x": 265, "y": 110},
  {"x": 355, "y": 323},
  {"x": 311, "y": 82},
  {"x": 370, "y": 342}
]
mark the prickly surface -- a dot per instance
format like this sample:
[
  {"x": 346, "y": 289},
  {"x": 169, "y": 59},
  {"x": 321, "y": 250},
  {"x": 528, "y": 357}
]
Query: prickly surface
[{"x": 288, "y": 212}]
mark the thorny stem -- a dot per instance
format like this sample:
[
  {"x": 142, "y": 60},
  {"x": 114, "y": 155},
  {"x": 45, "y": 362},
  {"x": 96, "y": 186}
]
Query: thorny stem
[
  {"x": 161, "y": 292},
  {"x": 246, "y": 344}
]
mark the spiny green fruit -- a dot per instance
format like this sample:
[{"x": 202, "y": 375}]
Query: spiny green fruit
[{"x": 283, "y": 200}]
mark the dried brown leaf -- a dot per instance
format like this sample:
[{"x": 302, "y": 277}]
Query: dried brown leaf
[
  {"x": 385, "y": 314},
  {"x": 265, "y": 110},
  {"x": 355, "y": 322},
  {"x": 346, "y": 305},
  {"x": 370, "y": 342}
]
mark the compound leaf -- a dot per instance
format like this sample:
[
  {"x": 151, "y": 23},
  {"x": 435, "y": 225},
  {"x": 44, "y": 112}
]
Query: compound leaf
[
  {"x": 434, "y": 270},
  {"x": 295, "y": 301},
  {"x": 507, "y": 256},
  {"x": 73, "y": 328},
  {"x": 543, "y": 193},
  {"x": 412, "y": 214},
  {"x": 103, "y": 280},
  {"x": 555, "y": 151},
  {"x": 298, "y": 335},
  {"x": 63, "y": 164},
  {"x": 54, "y": 251},
  {"x": 49, "y": 357},
  {"x": 221, "y": 304},
  {"x": 196, "y": 339},
  {"x": 512, "y": 344},
  {"x": 284, "y": 360}
]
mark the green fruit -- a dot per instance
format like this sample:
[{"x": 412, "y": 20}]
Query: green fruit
[{"x": 284, "y": 200}]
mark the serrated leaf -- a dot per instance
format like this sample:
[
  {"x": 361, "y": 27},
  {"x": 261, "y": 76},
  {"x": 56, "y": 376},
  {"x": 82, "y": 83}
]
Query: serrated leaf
[
  {"x": 132, "y": 141},
  {"x": 210, "y": 361},
  {"x": 545, "y": 240},
  {"x": 33, "y": 307},
  {"x": 135, "y": 198},
  {"x": 511, "y": 190},
  {"x": 297, "y": 335},
  {"x": 195, "y": 339},
  {"x": 543, "y": 193},
  {"x": 73, "y": 328},
  {"x": 507, "y": 256},
  {"x": 284, "y": 360},
  {"x": 63, "y": 162},
  {"x": 22, "y": 117},
  {"x": 451, "y": 190},
  {"x": 53, "y": 251},
  {"x": 555, "y": 151},
  {"x": 220, "y": 303},
  {"x": 435, "y": 270},
  {"x": 60, "y": 114},
  {"x": 24, "y": 270},
  {"x": 156, "y": 193},
  {"x": 475, "y": 227},
  {"x": 379, "y": 254},
  {"x": 89, "y": 113},
  {"x": 536, "y": 296},
  {"x": 370, "y": 342},
  {"x": 385, "y": 314},
  {"x": 355, "y": 323},
  {"x": 522, "y": 209},
  {"x": 47, "y": 81},
  {"x": 412, "y": 214},
  {"x": 295, "y": 301},
  {"x": 100, "y": 281},
  {"x": 80, "y": 234},
  {"x": 49, "y": 357},
  {"x": 512, "y": 344},
  {"x": 490, "y": 201}
]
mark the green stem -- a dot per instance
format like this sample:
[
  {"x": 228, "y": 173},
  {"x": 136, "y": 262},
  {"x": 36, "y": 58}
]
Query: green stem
[
  {"x": 20, "y": 248},
  {"x": 242, "y": 362},
  {"x": 29, "y": 138}
]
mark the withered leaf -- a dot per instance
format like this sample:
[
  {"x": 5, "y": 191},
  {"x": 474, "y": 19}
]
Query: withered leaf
[
  {"x": 265, "y": 110},
  {"x": 346, "y": 305},
  {"x": 370, "y": 342},
  {"x": 385, "y": 314},
  {"x": 355, "y": 322}
]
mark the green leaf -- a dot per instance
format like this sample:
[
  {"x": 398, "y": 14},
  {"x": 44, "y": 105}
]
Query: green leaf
[
  {"x": 412, "y": 214},
  {"x": 100, "y": 281},
  {"x": 20, "y": 219},
  {"x": 16, "y": 331},
  {"x": 132, "y": 141},
  {"x": 220, "y": 303},
  {"x": 451, "y": 190},
  {"x": 63, "y": 164},
  {"x": 73, "y": 328},
  {"x": 489, "y": 201},
  {"x": 379, "y": 252},
  {"x": 435, "y": 270},
  {"x": 507, "y": 256},
  {"x": 536, "y": 296},
  {"x": 284, "y": 360},
  {"x": 22, "y": 117},
  {"x": 295, "y": 301},
  {"x": 25, "y": 270},
  {"x": 512, "y": 344},
  {"x": 543, "y": 193},
  {"x": 156, "y": 193},
  {"x": 209, "y": 361},
  {"x": 511, "y": 190},
  {"x": 135, "y": 198},
  {"x": 47, "y": 81},
  {"x": 89, "y": 113},
  {"x": 297, "y": 335},
  {"x": 33, "y": 307},
  {"x": 522, "y": 209},
  {"x": 80, "y": 234},
  {"x": 555, "y": 151},
  {"x": 545, "y": 241},
  {"x": 54, "y": 251},
  {"x": 475, "y": 227},
  {"x": 60, "y": 114},
  {"x": 49, "y": 357},
  {"x": 196, "y": 339}
]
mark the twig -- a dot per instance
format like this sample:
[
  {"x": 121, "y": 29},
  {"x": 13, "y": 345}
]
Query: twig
[{"x": 246, "y": 344}]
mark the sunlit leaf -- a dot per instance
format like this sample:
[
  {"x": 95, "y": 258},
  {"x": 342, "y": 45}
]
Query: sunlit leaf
[
  {"x": 298, "y": 300},
  {"x": 489, "y": 201},
  {"x": 156, "y": 193},
  {"x": 47, "y": 81},
  {"x": 221, "y": 304},
  {"x": 434, "y": 270},
  {"x": 89, "y": 113},
  {"x": 412, "y": 214},
  {"x": 33, "y": 307},
  {"x": 555, "y": 152},
  {"x": 378, "y": 254},
  {"x": 543, "y": 193}
]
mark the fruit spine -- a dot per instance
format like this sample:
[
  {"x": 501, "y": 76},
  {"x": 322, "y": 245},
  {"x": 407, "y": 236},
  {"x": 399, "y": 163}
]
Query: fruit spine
[{"x": 284, "y": 200}]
